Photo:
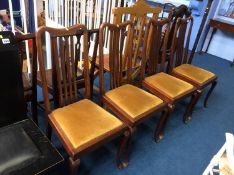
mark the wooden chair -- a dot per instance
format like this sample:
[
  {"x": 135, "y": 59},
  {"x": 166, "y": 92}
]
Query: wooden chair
[
  {"x": 182, "y": 68},
  {"x": 138, "y": 13},
  {"x": 158, "y": 82},
  {"x": 78, "y": 124},
  {"x": 131, "y": 104},
  {"x": 80, "y": 78},
  {"x": 175, "y": 13},
  {"x": 29, "y": 79}
]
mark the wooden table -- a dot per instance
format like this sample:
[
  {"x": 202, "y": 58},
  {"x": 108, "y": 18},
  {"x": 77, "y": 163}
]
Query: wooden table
[{"x": 217, "y": 24}]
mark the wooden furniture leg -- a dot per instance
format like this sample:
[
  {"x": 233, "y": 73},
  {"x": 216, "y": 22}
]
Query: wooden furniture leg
[
  {"x": 213, "y": 32},
  {"x": 73, "y": 165},
  {"x": 193, "y": 102},
  {"x": 159, "y": 134},
  {"x": 204, "y": 40},
  {"x": 209, "y": 92}
]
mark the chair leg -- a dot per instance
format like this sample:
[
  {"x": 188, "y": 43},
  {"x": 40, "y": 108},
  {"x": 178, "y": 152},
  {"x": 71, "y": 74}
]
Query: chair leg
[
  {"x": 73, "y": 165},
  {"x": 48, "y": 131},
  {"x": 159, "y": 131},
  {"x": 34, "y": 111},
  {"x": 189, "y": 110},
  {"x": 209, "y": 93},
  {"x": 123, "y": 149}
]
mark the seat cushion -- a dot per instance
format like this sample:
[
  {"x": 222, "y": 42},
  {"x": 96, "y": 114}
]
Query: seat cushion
[
  {"x": 84, "y": 123},
  {"x": 17, "y": 150},
  {"x": 135, "y": 102},
  {"x": 169, "y": 86},
  {"x": 195, "y": 74}
]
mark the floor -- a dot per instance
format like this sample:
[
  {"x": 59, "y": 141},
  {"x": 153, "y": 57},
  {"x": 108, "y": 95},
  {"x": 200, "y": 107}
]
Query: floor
[{"x": 186, "y": 148}]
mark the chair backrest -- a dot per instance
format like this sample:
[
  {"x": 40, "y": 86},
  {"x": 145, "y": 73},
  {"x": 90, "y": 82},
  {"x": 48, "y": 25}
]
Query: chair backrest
[
  {"x": 155, "y": 60},
  {"x": 12, "y": 104},
  {"x": 63, "y": 42},
  {"x": 91, "y": 33},
  {"x": 167, "y": 7},
  {"x": 120, "y": 61},
  {"x": 178, "y": 12},
  {"x": 138, "y": 13},
  {"x": 180, "y": 42}
]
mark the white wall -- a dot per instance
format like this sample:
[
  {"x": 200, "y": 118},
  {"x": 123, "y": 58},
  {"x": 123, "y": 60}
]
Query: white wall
[{"x": 222, "y": 45}]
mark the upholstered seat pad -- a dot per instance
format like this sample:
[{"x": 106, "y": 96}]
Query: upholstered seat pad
[
  {"x": 84, "y": 123},
  {"x": 135, "y": 102},
  {"x": 170, "y": 86},
  {"x": 195, "y": 74}
]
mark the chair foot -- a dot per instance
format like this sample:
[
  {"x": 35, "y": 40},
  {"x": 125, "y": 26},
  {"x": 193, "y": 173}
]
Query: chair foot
[
  {"x": 159, "y": 137},
  {"x": 187, "y": 119},
  {"x": 159, "y": 131},
  {"x": 209, "y": 93},
  {"x": 189, "y": 110},
  {"x": 123, "y": 149},
  {"x": 73, "y": 165}
]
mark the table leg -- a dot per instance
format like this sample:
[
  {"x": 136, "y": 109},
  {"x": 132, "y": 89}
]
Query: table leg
[
  {"x": 232, "y": 63},
  {"x": 213, "y": 32},
  {"x": 207, "y": 31}
]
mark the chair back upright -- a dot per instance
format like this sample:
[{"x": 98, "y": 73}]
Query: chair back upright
[
  {"x": 155, "y": 60},
  {"x": 63, "y": 42},
  {"x": 139, "y": 13},
  {"x": 180, "y": 42},
  {"x": 120, "y": 61},
  {"x": 178, "y": 12}
]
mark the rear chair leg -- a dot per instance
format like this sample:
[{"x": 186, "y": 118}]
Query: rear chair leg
[
  {"x": 189, "y": 110},
  {"x": 73, "y": 165},
  {"x": 48, "y": 131},
  {"x": 123, "y": 149},
  {"x": 159, "y": 131},
  {"x": 209, "y": 93}
]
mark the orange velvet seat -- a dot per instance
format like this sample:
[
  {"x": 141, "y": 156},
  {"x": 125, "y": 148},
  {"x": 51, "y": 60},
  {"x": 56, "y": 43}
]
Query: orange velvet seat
[
  {"x": 169, "y": 86},
  {"x": 80, "y": 128},
  {"x": 136, "y": 103},
  {"x": 193, "y": 74}
]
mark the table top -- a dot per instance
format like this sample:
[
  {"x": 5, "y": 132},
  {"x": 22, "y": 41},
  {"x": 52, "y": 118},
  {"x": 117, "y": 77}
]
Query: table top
[
  {"x": 222, "y": 24},
  {"x": 25, "y": 150}
]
